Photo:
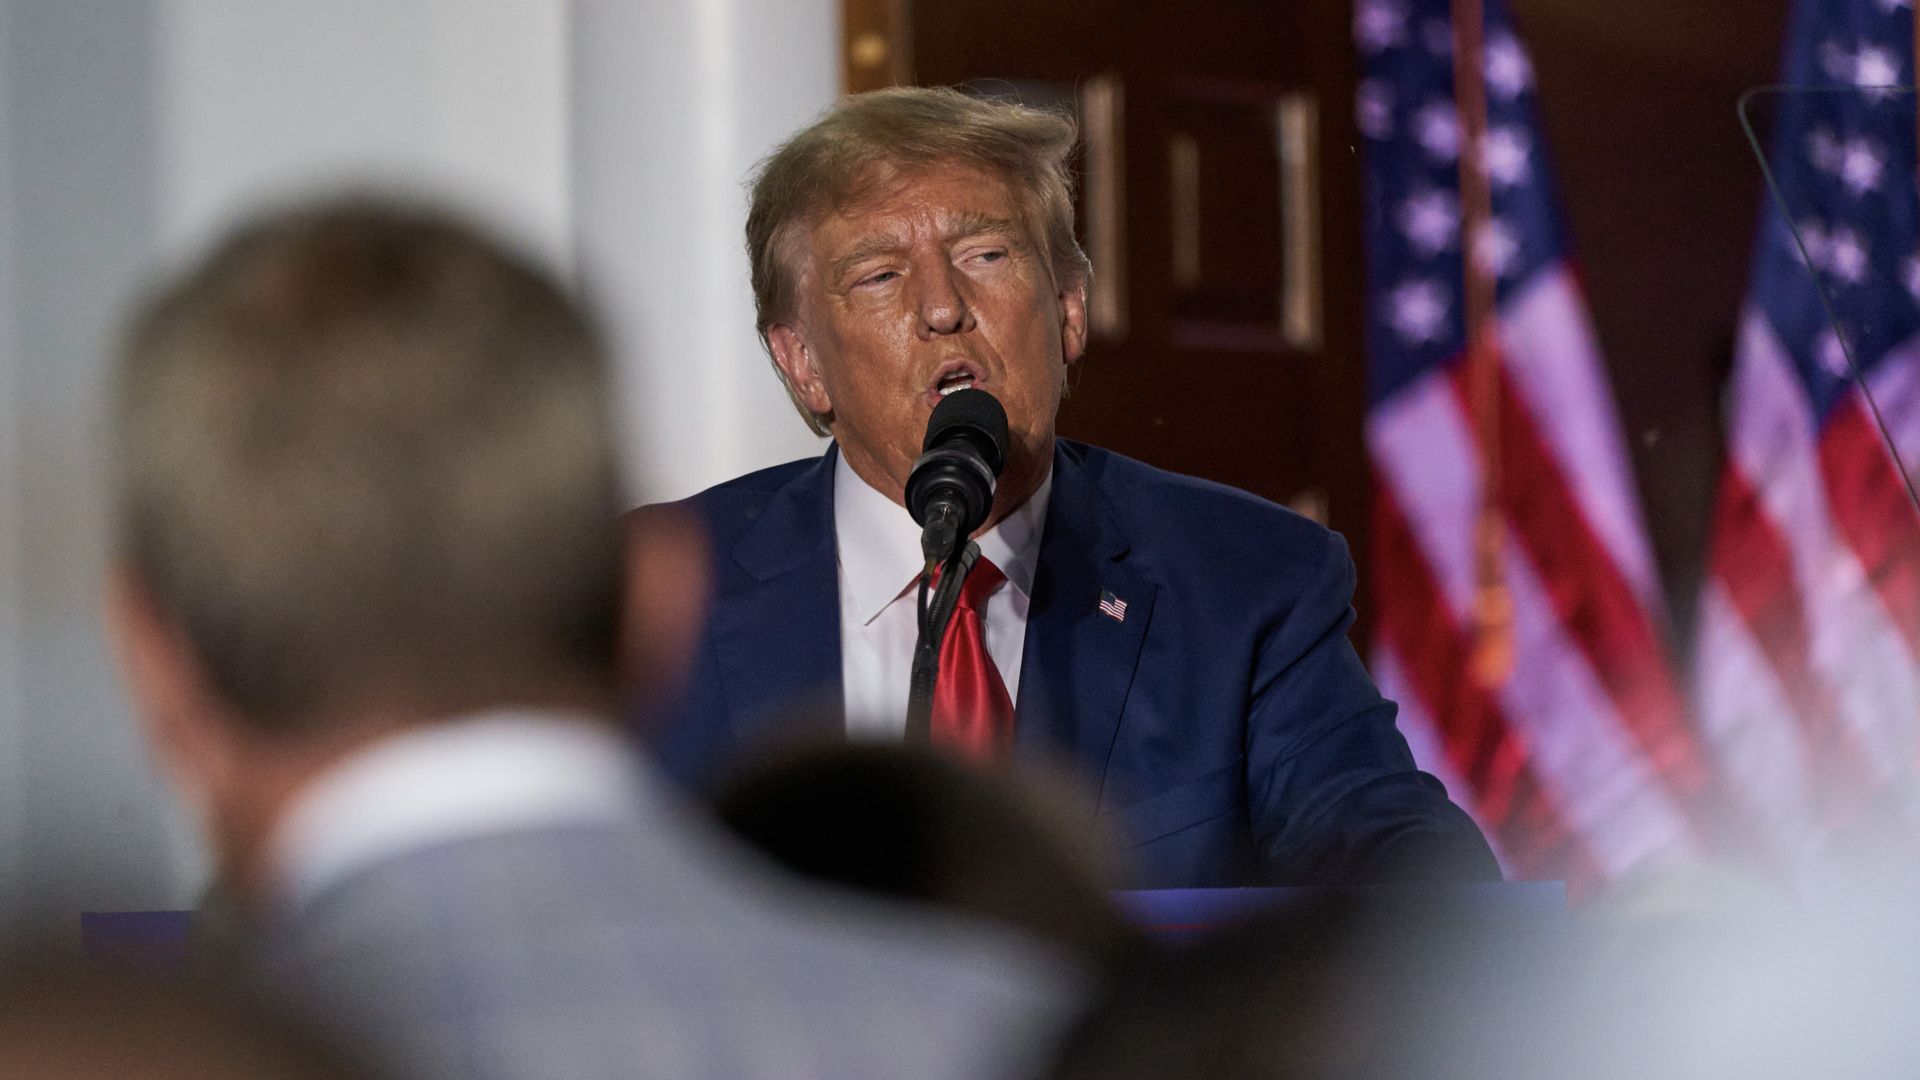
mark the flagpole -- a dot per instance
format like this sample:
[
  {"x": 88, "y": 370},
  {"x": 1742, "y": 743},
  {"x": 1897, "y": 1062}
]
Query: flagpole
[{"x": 1492, "y": 660}]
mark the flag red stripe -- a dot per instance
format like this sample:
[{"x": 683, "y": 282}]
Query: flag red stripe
[
  {"x": 1602, "y": 615},
  {"x": 1870, "y": 510},
  {"x": 1485, "y": 750},
  {"x": 1754, "y": 565}
]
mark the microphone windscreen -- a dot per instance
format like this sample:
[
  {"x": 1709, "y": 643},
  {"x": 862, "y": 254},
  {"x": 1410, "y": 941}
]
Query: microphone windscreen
[{"x": 975, "y": 411}]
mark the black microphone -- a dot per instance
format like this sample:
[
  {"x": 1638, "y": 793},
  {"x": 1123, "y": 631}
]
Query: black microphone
[{"x": 950, "y": 490}]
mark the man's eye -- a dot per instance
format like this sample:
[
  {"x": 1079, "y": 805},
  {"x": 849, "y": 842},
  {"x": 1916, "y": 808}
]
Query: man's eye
[
  {"x": 991, "y": 256},
  {"x": 880, "y": 278}
]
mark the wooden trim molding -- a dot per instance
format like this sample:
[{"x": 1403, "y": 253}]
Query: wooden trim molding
[
  {"x": 1297, "y": 133},
  {"x": 876, "y": 46},
  {"x": 1102, "y": 126}
]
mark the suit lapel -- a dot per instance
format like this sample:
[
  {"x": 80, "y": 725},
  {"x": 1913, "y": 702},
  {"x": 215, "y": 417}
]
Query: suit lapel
[
  {"x": 778, "y": 643},
  {"x": 1079, "y": 661}
]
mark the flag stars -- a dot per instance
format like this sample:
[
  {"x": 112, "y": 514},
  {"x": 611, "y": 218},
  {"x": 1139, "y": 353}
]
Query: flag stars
[
  {"x": 1910, "y": 275},
  {"x": 1379, "y": 25},
  {"x": 1840, "y": 253},
  {"x": 1418, "y": 311},
  {"x": 1509, "y": 72},
  {"x": 1870, "y": 65},
  {"x": 1506, "y": 153},
  {"x": 1861, "y": 165},
  {"x": 1812, "y": 237},
  {"x": 1437, "y": 129},
  {"x": 1858, "y": 163},
  {"x": 1874, "y": 66},
  {"x": 1832, "y": 355},
  {"x": 1430, "y": 221},
  {"x": 1495, "y": 247},
  {"x": 1373, "y": 109},
  {"x": 1845, "y": 256}
]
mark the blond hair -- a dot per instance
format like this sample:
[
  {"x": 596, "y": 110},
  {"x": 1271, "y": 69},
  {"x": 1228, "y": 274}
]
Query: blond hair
[
  {"x": 363, "y": 460},
  {"x": 872, "y": 136}
]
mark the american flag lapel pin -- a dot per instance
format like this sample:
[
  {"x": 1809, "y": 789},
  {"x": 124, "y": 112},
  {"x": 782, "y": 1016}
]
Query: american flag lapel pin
[{"x": 1112, "y": 606}]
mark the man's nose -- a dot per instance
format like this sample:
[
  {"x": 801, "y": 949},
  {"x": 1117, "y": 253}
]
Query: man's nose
[{"x": 943, "y": 305}]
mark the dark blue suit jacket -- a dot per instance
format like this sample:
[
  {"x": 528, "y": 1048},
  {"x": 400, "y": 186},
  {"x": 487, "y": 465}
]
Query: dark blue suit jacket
[{"x": 1226, "y": 722}]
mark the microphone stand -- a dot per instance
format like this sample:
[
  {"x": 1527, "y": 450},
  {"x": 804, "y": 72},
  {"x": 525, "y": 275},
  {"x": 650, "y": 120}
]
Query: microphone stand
[{"x": 934, "y": 617}]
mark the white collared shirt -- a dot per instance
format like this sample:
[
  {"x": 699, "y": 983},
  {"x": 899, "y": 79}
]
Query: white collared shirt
[
  {"x": 879, "y": 553},
  {"x": 459, "y": 779}
]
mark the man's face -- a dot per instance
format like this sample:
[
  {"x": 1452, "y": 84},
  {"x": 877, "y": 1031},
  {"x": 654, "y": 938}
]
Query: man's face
[{"x": 930, "y": 283}]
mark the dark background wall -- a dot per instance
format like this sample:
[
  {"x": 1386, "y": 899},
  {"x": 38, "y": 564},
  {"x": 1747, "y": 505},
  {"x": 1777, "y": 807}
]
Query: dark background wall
[{"x": 1661, "y": 193}]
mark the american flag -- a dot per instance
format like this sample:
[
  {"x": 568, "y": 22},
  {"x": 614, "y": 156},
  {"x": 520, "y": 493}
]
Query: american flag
[
  {"x": 1808, "y": 689},
  {"x": 1113, "y": 607},
  {"x": 1520, "y": 621}
]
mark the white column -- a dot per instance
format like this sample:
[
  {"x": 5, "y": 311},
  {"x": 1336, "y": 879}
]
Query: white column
[
  {"x": 93, "y": 827},
  {"x": 12, "y": 641},
  {"x": 674, "y": 101},
  {"x": 462, "y": 100}
]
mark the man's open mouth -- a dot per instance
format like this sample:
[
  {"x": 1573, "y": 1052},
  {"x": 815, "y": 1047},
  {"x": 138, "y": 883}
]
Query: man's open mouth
[{"x": 956, "y": 380}]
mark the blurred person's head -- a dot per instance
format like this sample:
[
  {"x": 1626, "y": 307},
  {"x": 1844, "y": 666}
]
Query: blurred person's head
[
  {"x": 365, "y": 479},
  {"x": 913, "y": 240},
  {"x": 65, "y": 1021},
  {"x": 991, "y": 843},
  {"x": 1416, "y": 987}
]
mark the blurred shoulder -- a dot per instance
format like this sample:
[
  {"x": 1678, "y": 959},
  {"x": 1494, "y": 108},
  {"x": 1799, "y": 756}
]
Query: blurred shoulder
[
  {"x": 733, "y": 504},
  {"x": 665, "y": 934}
]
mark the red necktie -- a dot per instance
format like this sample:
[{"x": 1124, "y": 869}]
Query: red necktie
[{"x": 972, "y": 711}]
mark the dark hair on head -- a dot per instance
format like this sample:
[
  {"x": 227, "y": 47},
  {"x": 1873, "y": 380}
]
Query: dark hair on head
[
  {"x": 996, "y": 844},
  {"x": 364, "y": 460}
]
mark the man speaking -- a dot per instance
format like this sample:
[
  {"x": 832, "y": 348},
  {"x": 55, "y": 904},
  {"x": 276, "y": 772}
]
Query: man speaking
[{"x": 1179, "y": 644}]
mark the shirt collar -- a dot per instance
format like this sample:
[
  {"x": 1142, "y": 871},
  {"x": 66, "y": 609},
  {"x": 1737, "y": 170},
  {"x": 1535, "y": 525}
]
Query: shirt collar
[
  {"x": 879, "y": 543},
  {"x": 476, "y": 776}
]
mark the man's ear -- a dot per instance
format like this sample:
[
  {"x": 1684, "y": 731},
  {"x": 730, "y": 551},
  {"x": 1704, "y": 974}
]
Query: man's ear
[
  {"x": 1073, "y": 320},
  {"x": 179, "y": 715},
  {"x": 796, "y": 362},
  {"x": 669, "y": 578}
]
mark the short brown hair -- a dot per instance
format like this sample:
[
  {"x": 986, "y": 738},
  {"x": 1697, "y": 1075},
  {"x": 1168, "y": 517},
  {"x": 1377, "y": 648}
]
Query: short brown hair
[
  {"x": 364, "y": 460},
  {"x": 867, "y": 136}
]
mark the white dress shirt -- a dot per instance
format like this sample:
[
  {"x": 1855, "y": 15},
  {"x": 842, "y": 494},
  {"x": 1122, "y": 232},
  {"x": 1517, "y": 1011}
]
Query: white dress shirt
[
  {"x": 470, "y": 777},
  {"x": 880, "y": 562}
]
